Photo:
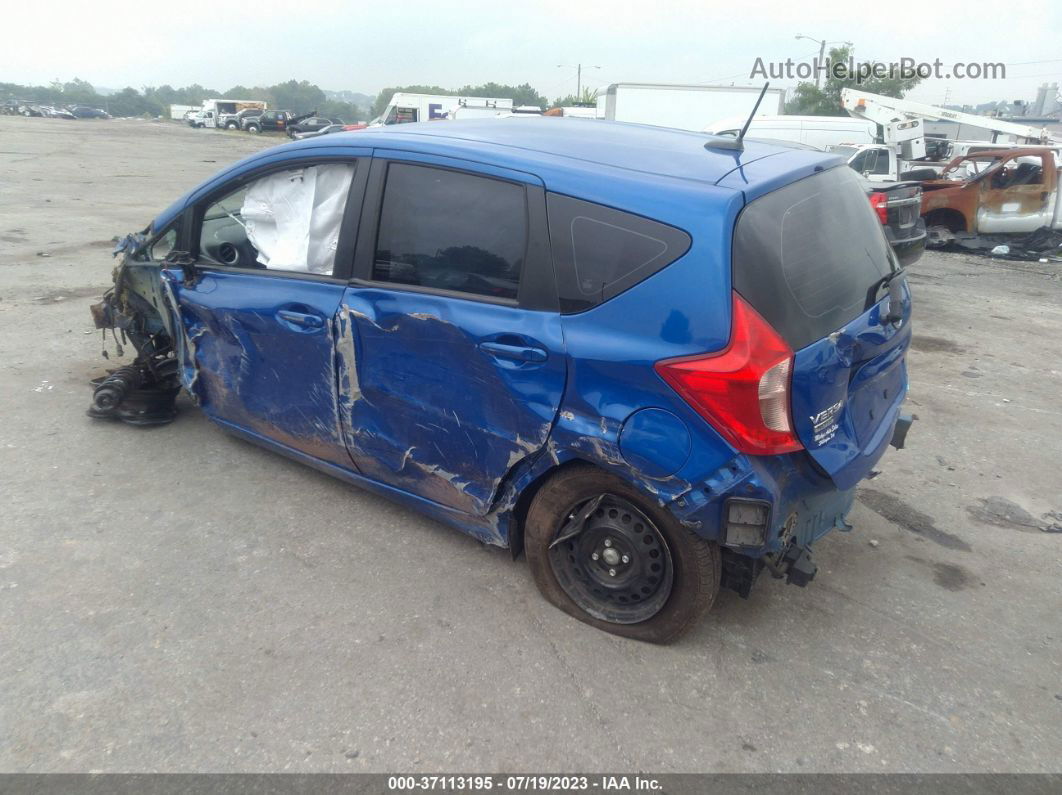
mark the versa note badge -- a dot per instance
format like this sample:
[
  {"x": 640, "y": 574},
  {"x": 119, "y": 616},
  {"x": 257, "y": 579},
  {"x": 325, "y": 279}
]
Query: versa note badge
[{"x": 823, "y": 423}]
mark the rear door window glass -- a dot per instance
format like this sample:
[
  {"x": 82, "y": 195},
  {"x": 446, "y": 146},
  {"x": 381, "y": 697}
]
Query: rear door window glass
[
  {"x": 599, "y": 252},
  {"x": 807, "y": 256},
  {"x": 453, "y": 231}
]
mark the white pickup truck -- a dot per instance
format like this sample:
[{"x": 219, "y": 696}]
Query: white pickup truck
[{"x": 882, "y": 163}]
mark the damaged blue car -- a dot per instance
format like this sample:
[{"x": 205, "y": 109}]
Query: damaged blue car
[{"x": 656, "y": 363}]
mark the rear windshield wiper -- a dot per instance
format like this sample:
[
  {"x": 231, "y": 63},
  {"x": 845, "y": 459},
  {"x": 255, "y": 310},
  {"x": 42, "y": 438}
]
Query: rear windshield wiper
[{"x": 893, "y": 281}]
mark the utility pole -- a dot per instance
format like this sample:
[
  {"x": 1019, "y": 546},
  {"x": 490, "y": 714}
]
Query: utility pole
[
  {"x": 578, "y": 76},
  {"x": 822, "y": 53}
]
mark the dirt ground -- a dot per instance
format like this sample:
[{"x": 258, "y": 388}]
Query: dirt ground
[{"x": 173, "y": 599}]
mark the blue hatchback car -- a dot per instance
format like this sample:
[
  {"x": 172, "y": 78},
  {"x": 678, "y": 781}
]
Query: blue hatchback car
[{"x": 655, "y": 364}]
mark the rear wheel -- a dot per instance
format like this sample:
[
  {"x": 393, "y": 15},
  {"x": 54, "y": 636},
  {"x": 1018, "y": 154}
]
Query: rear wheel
[{"x": 606, "y": 556}]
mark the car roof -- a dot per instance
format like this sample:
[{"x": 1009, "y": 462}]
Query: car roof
[
  {"x": 525, "y": 143},
  {"x": 653, "y": 171}
]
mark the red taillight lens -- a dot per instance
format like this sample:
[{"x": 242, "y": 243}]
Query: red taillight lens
[
  {"x": 743, "y": 391},
  {"x": 880, "y": 203}
]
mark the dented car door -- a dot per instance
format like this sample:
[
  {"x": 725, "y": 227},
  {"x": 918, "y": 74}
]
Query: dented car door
[
  {"x": 256, "y": 306},
  {"x": 1019, "y": 194},
  {"x": 451, "y": 359}
]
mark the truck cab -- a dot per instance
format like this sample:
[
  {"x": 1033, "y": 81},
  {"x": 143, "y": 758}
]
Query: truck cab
[
  {"x": 882, "y": 163},
  {"x": 876, "y": 162},
  {"x": 273, "y": 121},
  {"x": 203, "y": 118},
  {"x": 234, "y": 121},
  {"x": 994, "y": 192}
]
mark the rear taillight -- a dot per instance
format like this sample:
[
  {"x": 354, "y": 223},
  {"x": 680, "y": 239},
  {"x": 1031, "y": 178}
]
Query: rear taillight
[
  {"x": 743, "y": 390},
  {"x": 880, "y": 203}
]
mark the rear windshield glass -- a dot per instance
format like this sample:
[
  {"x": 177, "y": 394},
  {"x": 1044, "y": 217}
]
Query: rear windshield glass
[{"x": 807, "y": 256}]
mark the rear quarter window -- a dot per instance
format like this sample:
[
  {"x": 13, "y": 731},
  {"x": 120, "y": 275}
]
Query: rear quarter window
[
  {"x": 807, "y": 255},
  {"x": 599, "y": 252}
]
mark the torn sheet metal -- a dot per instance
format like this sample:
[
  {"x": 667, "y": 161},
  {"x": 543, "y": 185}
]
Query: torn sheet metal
[{"x": 432, "y": 410}]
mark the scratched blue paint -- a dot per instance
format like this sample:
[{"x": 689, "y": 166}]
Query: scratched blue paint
[{"x": 394, "y": 393}]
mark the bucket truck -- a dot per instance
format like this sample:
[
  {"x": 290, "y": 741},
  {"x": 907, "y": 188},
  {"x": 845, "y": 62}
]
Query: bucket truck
[{"x": 903, "y": 133}]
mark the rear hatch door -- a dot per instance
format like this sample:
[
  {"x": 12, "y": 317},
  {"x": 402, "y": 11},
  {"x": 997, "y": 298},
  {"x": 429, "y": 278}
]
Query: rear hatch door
[{"x": 811, "y": 258}]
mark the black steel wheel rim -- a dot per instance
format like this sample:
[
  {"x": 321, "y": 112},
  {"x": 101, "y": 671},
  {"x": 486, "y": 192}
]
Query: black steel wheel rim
[{"x": 618, "y": 566}]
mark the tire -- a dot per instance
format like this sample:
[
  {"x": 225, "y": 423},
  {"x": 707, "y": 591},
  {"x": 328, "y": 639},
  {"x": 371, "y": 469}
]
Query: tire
[
  {"x": 569, "y": 579},
  {"x": 254, "y": 129},
  {"x": 231, "y": 125}
]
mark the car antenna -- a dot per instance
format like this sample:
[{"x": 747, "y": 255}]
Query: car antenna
[{"x": 726, "y": 142}]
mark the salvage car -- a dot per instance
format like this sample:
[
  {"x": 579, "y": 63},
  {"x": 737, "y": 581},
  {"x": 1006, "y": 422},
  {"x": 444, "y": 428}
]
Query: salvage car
[
  {"x": 988, "y": 192},
  {"x": 56, "y": 112},
  {"x": 312, "y": 124},
  {"x": 89, "y": 112},
  {"x": 331, "y": 129},
  {"x": 564, "y": 339}
]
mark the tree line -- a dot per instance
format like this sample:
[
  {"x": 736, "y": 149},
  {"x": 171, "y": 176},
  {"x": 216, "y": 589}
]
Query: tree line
[{"x": 299, "y": 96}]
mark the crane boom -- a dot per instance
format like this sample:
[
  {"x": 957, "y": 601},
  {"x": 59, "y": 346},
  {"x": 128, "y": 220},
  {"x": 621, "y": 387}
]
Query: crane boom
[{"x": 891, "y": 112}]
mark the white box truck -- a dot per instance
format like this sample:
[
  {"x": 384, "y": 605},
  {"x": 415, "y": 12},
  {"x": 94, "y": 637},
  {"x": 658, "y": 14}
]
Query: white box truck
[
  {"x": 222, "y": 112},
  {"x": 685, "y": 107}
]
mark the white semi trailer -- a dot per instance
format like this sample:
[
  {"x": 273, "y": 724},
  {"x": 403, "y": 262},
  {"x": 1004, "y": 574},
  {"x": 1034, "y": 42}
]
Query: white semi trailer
[{"x": 685, "y": 107}]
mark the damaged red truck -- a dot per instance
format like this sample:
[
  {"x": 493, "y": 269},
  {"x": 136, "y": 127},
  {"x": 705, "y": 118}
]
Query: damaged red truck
[{"x": 994, "y": 192}]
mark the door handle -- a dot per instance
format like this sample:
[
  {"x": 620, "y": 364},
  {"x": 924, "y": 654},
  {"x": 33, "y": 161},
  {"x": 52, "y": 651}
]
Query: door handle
[
  {"x": 520, "y": 353},
  {"x": 300, "y": 318}
]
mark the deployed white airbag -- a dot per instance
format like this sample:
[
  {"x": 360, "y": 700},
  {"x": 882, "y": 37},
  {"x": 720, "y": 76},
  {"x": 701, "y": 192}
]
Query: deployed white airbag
[{"x": 293, "y": 217}]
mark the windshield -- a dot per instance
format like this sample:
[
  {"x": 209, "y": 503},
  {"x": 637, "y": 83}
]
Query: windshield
[{"x": 970, "y": 167}]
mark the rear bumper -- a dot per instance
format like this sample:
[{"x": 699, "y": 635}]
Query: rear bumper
[
  {"x": 768, "y": 511},
  {"x": 908, "y": 245},
  {"x": 759, "y": 505}
]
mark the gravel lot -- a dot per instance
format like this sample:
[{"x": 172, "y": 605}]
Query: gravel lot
[{"x": 173, "y": 599}]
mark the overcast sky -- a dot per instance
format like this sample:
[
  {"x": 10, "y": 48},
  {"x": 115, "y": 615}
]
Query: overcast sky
[{"x": 368, "y": 45}]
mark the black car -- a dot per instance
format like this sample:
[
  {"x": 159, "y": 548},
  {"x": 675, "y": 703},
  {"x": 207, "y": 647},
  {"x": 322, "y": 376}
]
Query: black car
[
  {"x": 311, "y": 125},
  {"x": 86, "y": 112},
  {"x": 898, "y": 206}
]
